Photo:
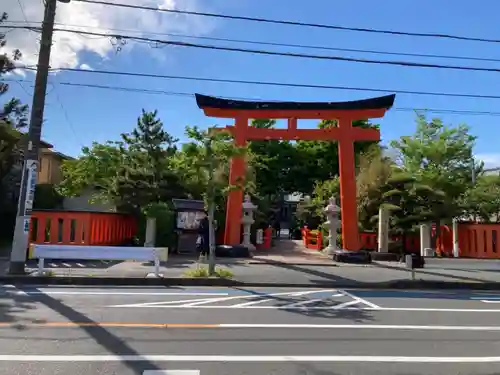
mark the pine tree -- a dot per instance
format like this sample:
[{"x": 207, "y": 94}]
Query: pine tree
[{"x": 146, "y": 177}]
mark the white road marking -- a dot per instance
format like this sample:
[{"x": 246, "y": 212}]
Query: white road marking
[
  {"x": 90, "y": 293},
  {"x": 360, "y": 326},
  {"x": 302, "y": 303},
  {"x": 251, "y": 303},
  {"x": 306, "y": 292},
  {"x": 199, "y": 303},
  {"x": 432, "y": 309},
  {"x": 344, "y": 305},
  {"x": 488, "y": 301},
  {"x": 171, "y": 372},
  {"x": 160, "y": 304},
  {"x": 360, "y": 300},
  {"x": 243, "y": 358}
]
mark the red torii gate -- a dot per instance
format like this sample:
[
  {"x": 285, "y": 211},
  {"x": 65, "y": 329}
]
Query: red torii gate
[{"x": 344, "y": 112}]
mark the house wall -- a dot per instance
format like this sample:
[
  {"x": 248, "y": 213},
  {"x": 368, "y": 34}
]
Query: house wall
[{"x": 49, "y": 170}]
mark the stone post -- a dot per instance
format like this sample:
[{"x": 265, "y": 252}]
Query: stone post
[
  {"x": 425, "y": 240},
  {"x": 332, "y": 214},
  {"x": 247, "y": 221},
  {"x": 150, "y": 239},
  {"x": 456, "y": 249},
  {"x": 383, "y": 230}
]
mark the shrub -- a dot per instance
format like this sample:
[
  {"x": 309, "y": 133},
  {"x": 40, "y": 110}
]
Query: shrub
[{"x": 202, "y": 272}]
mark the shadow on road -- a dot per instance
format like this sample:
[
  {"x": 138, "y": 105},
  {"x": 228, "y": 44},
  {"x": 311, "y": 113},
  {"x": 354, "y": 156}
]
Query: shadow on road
[
  {"x": 357, "y": 316},
  {"x": 110, "y": 342},
  {"x": 12, "y": 308}
]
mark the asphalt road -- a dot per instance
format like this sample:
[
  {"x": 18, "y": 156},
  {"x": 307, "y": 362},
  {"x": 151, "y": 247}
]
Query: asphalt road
[{"x": 232, "y": 331}]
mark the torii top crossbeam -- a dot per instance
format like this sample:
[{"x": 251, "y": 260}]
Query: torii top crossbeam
[{"x": 344, "y": 112}]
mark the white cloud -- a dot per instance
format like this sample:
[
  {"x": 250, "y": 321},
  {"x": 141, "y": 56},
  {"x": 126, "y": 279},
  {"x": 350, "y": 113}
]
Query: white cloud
[
  {"x": 490, "y": 160},
  {"x": 85, "y": 67},
  {"x": 68, "y": 48}
]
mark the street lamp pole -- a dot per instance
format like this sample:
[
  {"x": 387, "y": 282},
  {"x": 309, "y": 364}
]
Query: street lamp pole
[{"x": 32, "y": 146}]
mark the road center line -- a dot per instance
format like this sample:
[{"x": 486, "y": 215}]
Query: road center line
[
  {"x": 251, "y": 326},
  {"x": 242, "y": 358}
]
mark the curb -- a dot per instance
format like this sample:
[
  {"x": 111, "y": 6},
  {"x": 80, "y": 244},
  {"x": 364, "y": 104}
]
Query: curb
[{"x": 211, "y": 282}]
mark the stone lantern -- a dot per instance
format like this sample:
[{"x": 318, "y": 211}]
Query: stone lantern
[
  {"x": 332, "y": 214},
  {"x": 247, "y": 221}
]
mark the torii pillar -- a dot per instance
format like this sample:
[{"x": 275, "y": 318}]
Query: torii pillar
[{"x": 345, "y": 134}]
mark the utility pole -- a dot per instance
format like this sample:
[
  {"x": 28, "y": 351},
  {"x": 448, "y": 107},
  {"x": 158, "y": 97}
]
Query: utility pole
[{"x": 31, "y": 147}]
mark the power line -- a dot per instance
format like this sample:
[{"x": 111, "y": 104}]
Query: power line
[
  {"x": 408, "y": 64},
  {"x": 294, "y": 23},
  {"x": 22, "y": 11},
  {"x": 291, "y": 45},
  {"x": 270, "y": 83},
  {"x": 191, "y": 95}
]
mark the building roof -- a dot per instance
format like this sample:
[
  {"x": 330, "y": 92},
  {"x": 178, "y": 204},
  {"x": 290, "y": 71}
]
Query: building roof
[
  {"x": 17, "y": 133},
  {"x": 188, "y": 204},
  {"x": 57, "y": 153}
]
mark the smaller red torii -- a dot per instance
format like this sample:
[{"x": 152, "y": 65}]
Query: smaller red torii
[{"x": 344, "y": 112}]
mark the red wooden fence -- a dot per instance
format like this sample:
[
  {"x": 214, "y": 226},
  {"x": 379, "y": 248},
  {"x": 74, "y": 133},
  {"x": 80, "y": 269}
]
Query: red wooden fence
[
  {"x": 479, "y": 240},
  {"x": 81, "y": 228}
]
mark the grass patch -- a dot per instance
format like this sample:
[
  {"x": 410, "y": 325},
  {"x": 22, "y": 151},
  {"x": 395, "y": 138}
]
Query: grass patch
[{"x": 202, "y": 272}]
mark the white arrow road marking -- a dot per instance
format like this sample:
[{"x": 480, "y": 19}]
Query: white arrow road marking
[{"x": 171, "y": 372}]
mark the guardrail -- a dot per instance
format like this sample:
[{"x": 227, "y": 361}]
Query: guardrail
[{"x": 75, "y": 252}]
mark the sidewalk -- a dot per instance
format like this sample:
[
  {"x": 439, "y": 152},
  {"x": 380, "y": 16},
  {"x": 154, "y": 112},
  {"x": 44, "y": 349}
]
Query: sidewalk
[{"x": 438, "y": 274}]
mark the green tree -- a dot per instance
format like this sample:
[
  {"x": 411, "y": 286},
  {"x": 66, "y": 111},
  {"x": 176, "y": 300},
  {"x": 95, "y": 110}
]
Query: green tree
[
  {"x": 439, "y": 156},
  {"x": 206, "y": 167},
  {"x": 407, "y": 203},
  {"x": 147, "y": 177},
  {"x": 131, "y": 174},
  {"x": 13, "y": 120},
  {"x": 374, "y": 171},
  {"x": 483, "y": 200},
  {"x": 310, "y": 210}
]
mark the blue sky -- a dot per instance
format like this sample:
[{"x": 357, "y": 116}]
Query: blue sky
[{"x": 78, "y": 116}]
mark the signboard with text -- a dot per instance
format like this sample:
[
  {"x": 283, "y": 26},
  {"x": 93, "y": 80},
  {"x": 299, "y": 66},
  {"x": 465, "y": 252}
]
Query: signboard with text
[{"x": 31, "y": 175}]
